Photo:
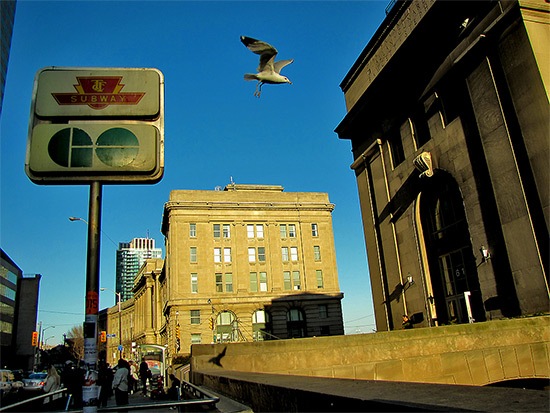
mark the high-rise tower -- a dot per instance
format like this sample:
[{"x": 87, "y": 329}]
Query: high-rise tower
[{"x": 130, "y": 256}]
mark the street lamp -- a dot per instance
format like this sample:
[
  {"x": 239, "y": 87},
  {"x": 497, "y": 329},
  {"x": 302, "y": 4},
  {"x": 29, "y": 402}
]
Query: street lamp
[
  {"x": 46, "y": 340},
  {"x": 83, "y": 220},
  {"x": 119, "y": 320},
  {"x": 42, "y": 334}
]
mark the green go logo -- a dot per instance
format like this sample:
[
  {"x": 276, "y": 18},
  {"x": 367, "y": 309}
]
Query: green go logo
[{"x": 73, "y": 147}]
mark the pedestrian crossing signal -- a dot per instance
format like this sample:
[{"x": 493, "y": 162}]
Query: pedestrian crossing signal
[
  {"x": 103, "y": 336},
  {"x": 34, "y": 338}
]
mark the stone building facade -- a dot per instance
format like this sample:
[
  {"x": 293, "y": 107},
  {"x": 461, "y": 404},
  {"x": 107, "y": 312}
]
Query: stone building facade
[
  {"x": 448, "y": 118},
  {"x": 248, "y": 263}
]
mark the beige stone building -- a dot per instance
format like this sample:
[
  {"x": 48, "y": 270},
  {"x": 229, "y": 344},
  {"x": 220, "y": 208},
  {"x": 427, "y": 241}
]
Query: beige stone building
[{"x": 247, "y": 263}]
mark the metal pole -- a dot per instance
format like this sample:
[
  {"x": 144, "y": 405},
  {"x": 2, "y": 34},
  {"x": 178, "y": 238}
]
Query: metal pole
[
  {"x": 90, "y": 388},
  {"x": 119, "y": 328}
]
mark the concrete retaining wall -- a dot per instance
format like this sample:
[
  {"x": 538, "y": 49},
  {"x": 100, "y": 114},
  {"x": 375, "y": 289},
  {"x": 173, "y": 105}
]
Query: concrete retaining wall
[{"x": 471, "y": 354}]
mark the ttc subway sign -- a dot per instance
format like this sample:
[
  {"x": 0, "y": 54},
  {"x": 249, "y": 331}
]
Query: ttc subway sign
[{"x": 96, "y": 124}]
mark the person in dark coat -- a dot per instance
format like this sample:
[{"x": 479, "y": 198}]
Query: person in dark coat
[
  {"x": 174, "y": 390},
  {"x": 144, "y": 374},
  {"x": 105, "y": 381}
]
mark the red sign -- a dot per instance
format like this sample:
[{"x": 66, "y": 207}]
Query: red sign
[
  {"x": 92, "y": 302},
  {"x": 98, "y": 92}
]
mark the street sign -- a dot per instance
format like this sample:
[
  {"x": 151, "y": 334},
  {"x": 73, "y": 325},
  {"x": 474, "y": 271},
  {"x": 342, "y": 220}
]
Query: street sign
[
  {"x": 96, "y": 124},
  {"x": 120, "y": 348}
]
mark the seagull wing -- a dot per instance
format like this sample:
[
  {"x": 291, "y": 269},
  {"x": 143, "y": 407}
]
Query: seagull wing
[
  {"x": 266, "y": 51},
  {"x": 280, "y": 64}
]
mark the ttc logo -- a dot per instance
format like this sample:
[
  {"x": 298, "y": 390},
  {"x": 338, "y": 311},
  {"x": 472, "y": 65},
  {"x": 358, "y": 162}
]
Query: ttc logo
[{"x": 98, "y": 93}]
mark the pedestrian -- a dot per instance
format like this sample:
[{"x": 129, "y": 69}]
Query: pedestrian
[
  {"x": 105, "y": 382},
  {"x": 144, "y": 374},
  {"x": 133, "y": 377},
  {"x": 53, "y": 381},
  {"x": 120, "y": 383},
  {"x": 71, "y": 379},
  {"x": 174, "y": 390}
]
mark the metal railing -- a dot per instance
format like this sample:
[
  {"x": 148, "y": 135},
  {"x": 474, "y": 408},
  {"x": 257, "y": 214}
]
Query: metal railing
[{"x": 44, "y": 402}]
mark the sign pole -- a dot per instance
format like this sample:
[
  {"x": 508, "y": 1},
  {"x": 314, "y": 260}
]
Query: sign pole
[{"x": 90, "y": 388}]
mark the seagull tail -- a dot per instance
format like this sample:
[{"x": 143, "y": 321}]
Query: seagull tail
[{"x": 250, "y": 76}]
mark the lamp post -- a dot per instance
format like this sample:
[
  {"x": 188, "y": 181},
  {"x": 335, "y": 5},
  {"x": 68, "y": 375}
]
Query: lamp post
[
  {"x": 46, "y": 340},
  {"x": 119, "y": 320},
  {"x": 44, "y": 331}
]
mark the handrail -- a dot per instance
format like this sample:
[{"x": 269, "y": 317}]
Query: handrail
[
  {"x": 32, "y": 399},
  {"x": 203, "y": 398}
]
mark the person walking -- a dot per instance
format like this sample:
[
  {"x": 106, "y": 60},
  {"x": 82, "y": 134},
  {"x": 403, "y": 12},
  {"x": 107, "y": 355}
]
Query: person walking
[
  {"x": 144, "y": 374},
  {"x": 53, "y": 381},
  {"x": 120, "y": 382},
  {"x": 105, "y": 382}
]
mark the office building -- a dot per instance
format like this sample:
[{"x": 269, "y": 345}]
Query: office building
[
  {"x": 251, "y": 262},
  {"x": 18, "y": 310},
  {"x": 449, "y": 123},
  {"x": 7, "y": 15},
  {"x": 130, "y": 257}
]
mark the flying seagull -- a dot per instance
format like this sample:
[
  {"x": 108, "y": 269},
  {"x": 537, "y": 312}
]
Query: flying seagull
[{"x": 268, "y": 70}]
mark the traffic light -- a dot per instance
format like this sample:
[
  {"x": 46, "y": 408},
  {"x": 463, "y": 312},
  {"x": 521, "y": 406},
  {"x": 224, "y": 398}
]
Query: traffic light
[
  {"x": 103, "y": 336},
  {"x": 211, "y": 324},
  {"x": 34, "y": 338},
  {"x": 178, "y": 331}
]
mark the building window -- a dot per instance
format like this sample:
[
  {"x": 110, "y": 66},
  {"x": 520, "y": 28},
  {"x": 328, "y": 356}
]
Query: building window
[
  {"x": 217, "y": 231},
  {"x": 292, "y": 230},
  {"x": 192, "y": 230},
  {"x": 295, "y": 322},
  {"x": 196, "y": 339},
  {"x": 287, "y": 281},
  {"x": 259, "y": 230},
  {"x": 217, "y": 255},
  {"x": 284, "y": 252},
  {"x": 296, "y": 280},
  {"x": 219, "y": 282},
  {"x": 396, "y": 148},
  {"x": 195, "y": 316},
  {"x": 323, "y": 310},
  {"x": 227, "y": 255},
  {"x": 261, "y": 254},
  {"x": 226, "y": 230},
  {"x": 294, "y": 253},
  {"x": 229, "y": 282},
  {"x": 282, "y": 230},
  {"x": 420, "y": 129},
  {"x": 263, "y": 281},
  {"x": 320, "y": 283},
  {"x": 253, "y": 282},
  {"x": 314, "y": 232},
  {"x": 260, "y": 320},
  {"x": 251, "y": 254},
  {"x": 193, "y": 254},
  {"x": 194, "y": 283},
  {"x": 317, "y": 252}
]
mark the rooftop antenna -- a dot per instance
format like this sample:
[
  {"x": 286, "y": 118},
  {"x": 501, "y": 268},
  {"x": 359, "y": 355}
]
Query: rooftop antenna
[{"x": 232, "y": 183}]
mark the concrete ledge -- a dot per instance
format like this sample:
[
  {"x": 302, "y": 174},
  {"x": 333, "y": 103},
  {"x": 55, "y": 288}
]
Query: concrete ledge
[
  {"x": 274, "y": 392},
  {"x": 467, "y": 354}
]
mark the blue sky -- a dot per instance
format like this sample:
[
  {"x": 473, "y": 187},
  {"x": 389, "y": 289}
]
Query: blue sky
[{"x": 215, "y": 128}]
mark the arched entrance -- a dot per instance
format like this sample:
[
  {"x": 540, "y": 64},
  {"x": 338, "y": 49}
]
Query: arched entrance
[{"x": 452, "y": 267}]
